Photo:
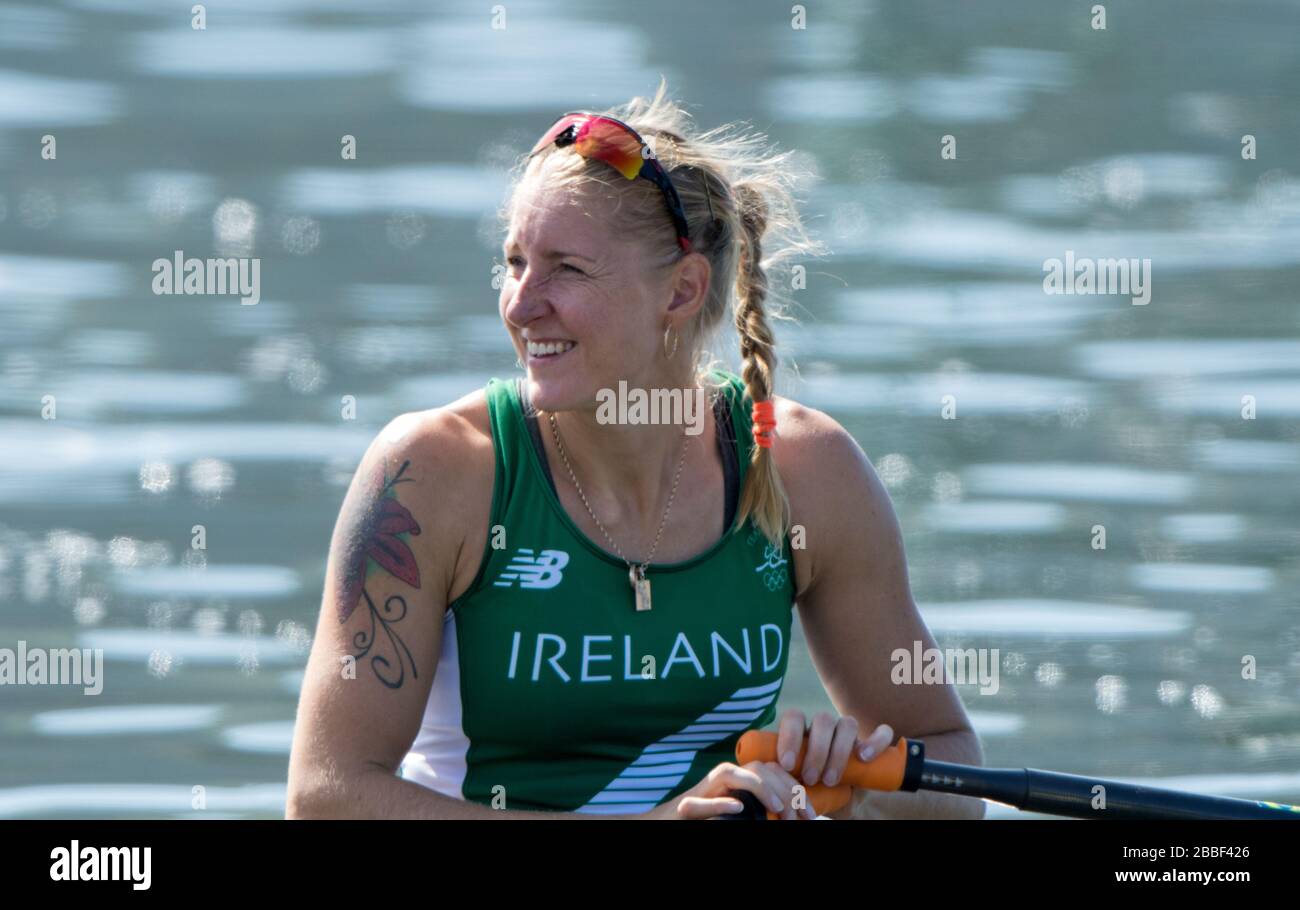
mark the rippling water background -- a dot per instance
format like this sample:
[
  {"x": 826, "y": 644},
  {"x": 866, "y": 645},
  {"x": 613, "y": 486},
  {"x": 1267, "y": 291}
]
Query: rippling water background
[{"x": 1073, "y": 411}]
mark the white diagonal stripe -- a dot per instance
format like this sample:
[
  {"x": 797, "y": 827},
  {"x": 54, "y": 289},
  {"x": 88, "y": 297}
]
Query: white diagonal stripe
[
  {"x": 728, "y": 715},
  {"x": 637, "y": 783},
  {"x": 664, "y": 764},
  {"x": 702, "y": 738},
  {"x": 743, "y": 705},
  {"x": 714, "y": 728},
  {"x": 611, "y": 796},
  {"x": 617, "y": 808},
  {"x": 666, "y": 757},
  {"x": 757, "y": 690},
  {"x": 675, "y": 768}
]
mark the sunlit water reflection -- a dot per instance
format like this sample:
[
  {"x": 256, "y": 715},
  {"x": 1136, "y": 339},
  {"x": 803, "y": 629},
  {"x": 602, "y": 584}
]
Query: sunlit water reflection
[{"x": 1170, "y": 426}]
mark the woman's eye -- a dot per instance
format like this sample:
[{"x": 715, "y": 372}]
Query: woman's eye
[{"x": 518, "y": 262}]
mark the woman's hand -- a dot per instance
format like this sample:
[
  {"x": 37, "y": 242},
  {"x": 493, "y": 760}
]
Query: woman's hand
[
  {"x": 830, "y": 743},
  {"x": 711, "y": 798}
]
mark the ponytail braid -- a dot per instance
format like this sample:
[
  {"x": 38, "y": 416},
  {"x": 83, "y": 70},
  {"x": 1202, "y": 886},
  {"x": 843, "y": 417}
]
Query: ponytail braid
[{"x": 763, "y": 496}]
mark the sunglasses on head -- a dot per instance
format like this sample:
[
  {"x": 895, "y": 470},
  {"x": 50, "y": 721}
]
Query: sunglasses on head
[{"x": 618, "y": 145}]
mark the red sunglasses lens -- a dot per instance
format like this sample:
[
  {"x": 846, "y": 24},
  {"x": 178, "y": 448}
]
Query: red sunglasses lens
[{"x": 615, "y": 144}]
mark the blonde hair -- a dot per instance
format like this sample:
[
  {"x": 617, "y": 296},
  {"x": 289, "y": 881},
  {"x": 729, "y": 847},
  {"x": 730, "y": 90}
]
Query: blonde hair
[{"x": 746, "y": 222}]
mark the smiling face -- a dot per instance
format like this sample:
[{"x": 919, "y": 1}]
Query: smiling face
[{"x": 584, "y": 308}]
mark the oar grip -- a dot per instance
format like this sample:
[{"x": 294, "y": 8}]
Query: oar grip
[{"x": 884, "y": 772}]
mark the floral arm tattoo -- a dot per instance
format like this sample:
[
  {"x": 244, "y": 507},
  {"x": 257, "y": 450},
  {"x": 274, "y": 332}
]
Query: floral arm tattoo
[{"x": 369, "y": 540}]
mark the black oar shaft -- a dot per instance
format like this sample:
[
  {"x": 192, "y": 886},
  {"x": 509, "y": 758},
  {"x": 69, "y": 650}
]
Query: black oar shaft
[{"x": 1080, "y": 797}]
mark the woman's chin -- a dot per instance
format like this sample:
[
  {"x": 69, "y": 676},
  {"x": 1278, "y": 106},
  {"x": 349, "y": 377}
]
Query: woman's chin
[{"x": 554, "y": 394}]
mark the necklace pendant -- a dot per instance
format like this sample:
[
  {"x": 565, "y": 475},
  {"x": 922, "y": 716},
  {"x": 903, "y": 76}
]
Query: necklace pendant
[{"x": 641, "y": 586}]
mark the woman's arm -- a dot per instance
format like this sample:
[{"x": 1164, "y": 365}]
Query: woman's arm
[
  {"x": 416, "y": 513},
  {"x": 856, "y": 608}
]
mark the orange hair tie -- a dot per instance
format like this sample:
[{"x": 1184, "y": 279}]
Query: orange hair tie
[{"x": 764, "y": 420}]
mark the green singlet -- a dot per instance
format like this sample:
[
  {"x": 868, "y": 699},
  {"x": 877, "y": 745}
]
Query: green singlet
[{"x": 552, "y": 692}]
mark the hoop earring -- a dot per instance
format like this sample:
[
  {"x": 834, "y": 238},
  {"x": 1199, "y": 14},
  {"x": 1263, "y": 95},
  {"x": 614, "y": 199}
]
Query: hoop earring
[
  {"x": 676, "y": 338},
  {"x": 519, "y": 364}
]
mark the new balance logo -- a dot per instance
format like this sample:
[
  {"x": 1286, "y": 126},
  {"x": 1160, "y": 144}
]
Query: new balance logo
[{"x": 540, "y": 571}]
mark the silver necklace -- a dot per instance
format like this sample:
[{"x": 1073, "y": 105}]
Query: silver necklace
[{"x": 635, "y": 573}]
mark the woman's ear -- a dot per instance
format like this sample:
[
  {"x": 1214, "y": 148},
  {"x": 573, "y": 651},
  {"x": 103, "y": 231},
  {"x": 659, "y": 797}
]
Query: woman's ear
[{"x": 690, "y": 285}]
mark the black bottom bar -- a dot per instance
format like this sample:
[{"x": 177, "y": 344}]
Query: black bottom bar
[{"x": 380, "y": 861}]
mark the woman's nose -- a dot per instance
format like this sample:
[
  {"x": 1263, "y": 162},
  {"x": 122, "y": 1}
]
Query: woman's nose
[{"x": 526, "y": 299}]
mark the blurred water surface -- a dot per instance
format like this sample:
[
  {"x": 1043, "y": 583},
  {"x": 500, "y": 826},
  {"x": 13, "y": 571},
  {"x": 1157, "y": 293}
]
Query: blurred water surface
[{"x": 1073, "y": 411}]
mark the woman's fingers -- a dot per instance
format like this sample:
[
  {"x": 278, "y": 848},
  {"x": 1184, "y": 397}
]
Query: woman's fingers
[
  {"x": 820, "y": 734},
  {"x": 842, "y": 743},
  {"x": 774, "y": 787},
  {"x": 789, "y": 738},
  {"x": 727, "y": 777},
  {"x": 830, "y": 743},
  {"x": 780, "y": 781},
  {"x": 697, "y": 807},
  {"x": 876, "y": 743}
]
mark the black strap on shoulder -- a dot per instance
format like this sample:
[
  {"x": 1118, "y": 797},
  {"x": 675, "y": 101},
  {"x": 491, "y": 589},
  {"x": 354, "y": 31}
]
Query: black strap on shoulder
[
  {"x": 726, "y": 449},
  {"x": 730, "y": 460}
]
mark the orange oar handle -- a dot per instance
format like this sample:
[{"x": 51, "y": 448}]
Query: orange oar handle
[
  {"x": 825, "y": 799},
  {"x": 884, "y": 772}
]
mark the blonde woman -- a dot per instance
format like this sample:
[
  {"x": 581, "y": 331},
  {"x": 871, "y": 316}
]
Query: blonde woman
[{"x": 541, "y": 606}]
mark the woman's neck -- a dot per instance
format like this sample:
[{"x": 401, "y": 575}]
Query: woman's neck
[{"x": 624, "y": 461}]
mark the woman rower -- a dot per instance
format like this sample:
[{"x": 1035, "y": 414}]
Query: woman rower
[{"x": 532, "y": 611}]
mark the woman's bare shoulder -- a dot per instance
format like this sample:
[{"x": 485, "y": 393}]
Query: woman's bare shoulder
[
  {"x": 826, "y": 474},
  {"x": 807, "y": 438},
  {"x": 463, "y": 421},
  {"x": 450, "y": 449},
  {"x": 836, "y": 496},
  {"x": 454, "y": 440}
]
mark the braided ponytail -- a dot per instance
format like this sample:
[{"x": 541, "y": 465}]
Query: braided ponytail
[{"x": 763, "y": 495}]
